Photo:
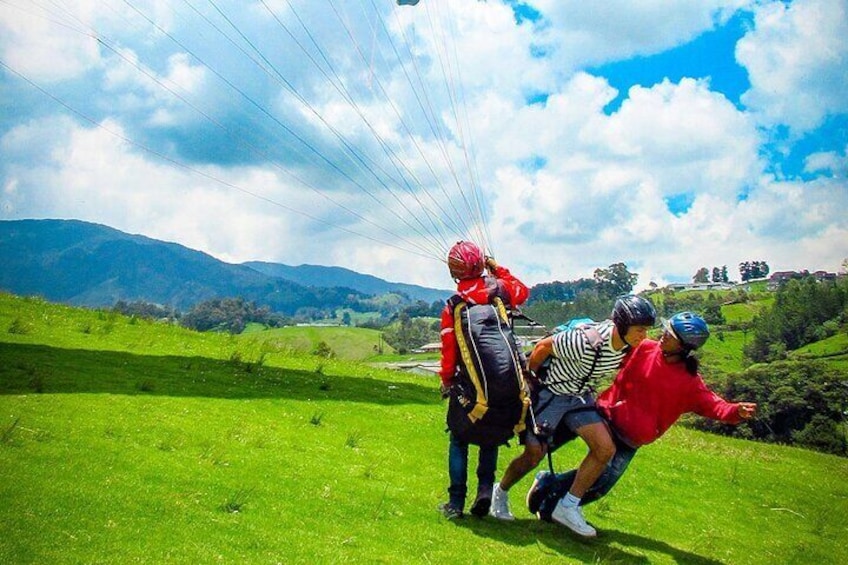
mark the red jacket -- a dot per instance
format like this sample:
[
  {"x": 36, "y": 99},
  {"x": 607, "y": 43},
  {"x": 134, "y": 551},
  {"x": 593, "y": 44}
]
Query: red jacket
[
  {"x": 475, "y": 291},
  {"x": 649, "y": 394}
]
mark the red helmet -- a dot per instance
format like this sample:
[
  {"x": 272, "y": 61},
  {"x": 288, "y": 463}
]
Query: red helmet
[{"x": 465, "y": 260}]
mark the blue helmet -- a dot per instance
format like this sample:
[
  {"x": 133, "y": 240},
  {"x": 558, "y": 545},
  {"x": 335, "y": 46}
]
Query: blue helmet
[{"x": 690, "y": 329}]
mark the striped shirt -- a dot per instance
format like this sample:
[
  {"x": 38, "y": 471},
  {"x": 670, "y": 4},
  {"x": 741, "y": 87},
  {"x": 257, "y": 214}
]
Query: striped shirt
[{"x": 573, "y": 356}]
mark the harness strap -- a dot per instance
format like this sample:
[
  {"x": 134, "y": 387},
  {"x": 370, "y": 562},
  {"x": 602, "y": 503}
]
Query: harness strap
[
  {"x": 516, "y": 362},
  {"x": 480, "y": 406}
]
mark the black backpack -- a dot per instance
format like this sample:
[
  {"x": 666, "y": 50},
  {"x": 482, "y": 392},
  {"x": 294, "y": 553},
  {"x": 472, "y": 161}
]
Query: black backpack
[{"x": 488, "y": 401}]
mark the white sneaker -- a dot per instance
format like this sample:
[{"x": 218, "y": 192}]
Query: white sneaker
[
  {"x": 500, "y": 504},
  {"x": 572, "y": 518}
]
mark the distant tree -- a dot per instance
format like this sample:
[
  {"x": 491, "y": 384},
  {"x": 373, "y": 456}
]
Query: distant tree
[
  {"x": 559, "y": 291},
  {"x": 716, "y": 278},
  {"x": 702, "y": 276},
  {"x": 373, "y": 323},
  {"x": 406, "y": 334},
  {"x": 615, "y": 280},
  {"x": 712, "y": 313},
  {"x": 323, "y": 350},
  {"x": 724, "y": 277},
  {"x": 421, "y": 309},
  {"x": 587, "y": 304},
  {"x": 142, "y": 309},
  {"x": 227, "y": 314},
  {"x": 753, "y": 270}
]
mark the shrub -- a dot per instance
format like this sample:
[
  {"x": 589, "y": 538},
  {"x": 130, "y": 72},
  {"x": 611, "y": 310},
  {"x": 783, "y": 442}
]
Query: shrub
[{"x": 799, "y": 403}]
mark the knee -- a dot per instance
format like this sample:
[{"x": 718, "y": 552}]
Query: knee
[
  {"x": 534, "y": 454},
  {"x": 604, "y": 451}
]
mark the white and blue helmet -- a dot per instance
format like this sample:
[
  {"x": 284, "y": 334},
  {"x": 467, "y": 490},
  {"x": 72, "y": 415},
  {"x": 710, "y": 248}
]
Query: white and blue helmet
[{"x": 690, "y": 329}]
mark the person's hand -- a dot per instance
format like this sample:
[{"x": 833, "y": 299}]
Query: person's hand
[
  {"x": 747, "y": 410},
  {"x": 491, "y": 264},
  {"x": 444, "y": 389}
]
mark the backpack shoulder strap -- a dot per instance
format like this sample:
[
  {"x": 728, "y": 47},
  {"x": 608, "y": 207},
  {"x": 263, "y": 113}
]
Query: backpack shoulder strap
[
  {"x": 453, "y": 301},
  {"x": 462, "y": 341},
  {"x": 596, "y": 342},
  {"x": 499, "y": 305}
]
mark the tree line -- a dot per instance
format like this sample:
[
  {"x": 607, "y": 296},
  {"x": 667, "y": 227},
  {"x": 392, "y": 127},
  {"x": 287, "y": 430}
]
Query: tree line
[
  {"x": 748, "y": 270},
  {"x": 804, "y": 310},
  {"x": 219, "y": 314}
]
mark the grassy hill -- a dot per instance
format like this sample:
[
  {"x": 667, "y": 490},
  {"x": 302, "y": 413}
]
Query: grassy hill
[
  {"x": 128, "y": 441},
  {"x": 353, "y": 344}
]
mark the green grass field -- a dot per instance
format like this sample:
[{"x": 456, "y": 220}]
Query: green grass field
[
  {"x": 743, "y": 312},
  {"x": 126, "y": 441},
  {"x": 353, "y": 344}
]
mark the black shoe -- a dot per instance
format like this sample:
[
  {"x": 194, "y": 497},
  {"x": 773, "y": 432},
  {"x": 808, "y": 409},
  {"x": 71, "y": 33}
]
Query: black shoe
[
  {"x": 482, "y": 503},
  {"x": 541, "y": 495},
  {"x": 450, "y": 511}
]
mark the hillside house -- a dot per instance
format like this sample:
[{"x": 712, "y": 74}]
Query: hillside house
[
  {"x": 686, "y": 287},
  {"x": 780, "y": 277},
  {"x": 434, "y": 347}
]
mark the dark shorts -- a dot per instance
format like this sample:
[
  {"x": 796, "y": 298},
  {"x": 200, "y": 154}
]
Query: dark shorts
[{"x": 558, "y": 417}]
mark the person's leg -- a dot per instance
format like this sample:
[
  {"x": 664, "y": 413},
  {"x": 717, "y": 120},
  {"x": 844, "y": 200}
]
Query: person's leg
[
  {"x": 544, "y": 422},
  {"x": 458, "y": 473},
  {"x": 613, "y": 472},
  {"x": 601, "y": 451},
  {"x": 595, "y": 433},
  {"x": 534, "y": 452},
  {"x": 547, "y": 489},
  {"x": 487, "y": 462},
  {"x": 528, "y": 460}
]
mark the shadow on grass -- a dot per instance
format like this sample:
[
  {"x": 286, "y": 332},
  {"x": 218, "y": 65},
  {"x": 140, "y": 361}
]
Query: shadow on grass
[
  {"x": 26, "y": 369},
  {"x": 611, "y": 546}
]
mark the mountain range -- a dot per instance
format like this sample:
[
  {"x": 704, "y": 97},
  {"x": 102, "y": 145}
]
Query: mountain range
[{"x": 92, "y": 265}]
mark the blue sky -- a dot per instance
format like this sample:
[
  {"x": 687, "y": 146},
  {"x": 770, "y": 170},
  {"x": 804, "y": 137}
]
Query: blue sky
[
  {"x": 710, "y": 55},
  {"x": 561, "y": 135}
]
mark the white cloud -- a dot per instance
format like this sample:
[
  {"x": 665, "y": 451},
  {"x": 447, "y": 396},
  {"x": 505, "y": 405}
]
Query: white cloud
[
  {"x": 796, "y": 58},
  {"x": 828, "y": 162},
  {"x": 589, "y": 33},
  {"x": 44, "y": 44},
  {"x": 602, "y": 197},
  {"x": 690, "y": 138}
]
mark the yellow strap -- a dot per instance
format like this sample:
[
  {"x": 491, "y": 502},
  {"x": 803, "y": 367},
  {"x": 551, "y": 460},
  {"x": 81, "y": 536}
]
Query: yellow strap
[
  {"x": 525, "y": 404},
  {"x": 499, "y": 305},
  {"x": 481, "y": 406},
  {"x": 478, "y": 411}
]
